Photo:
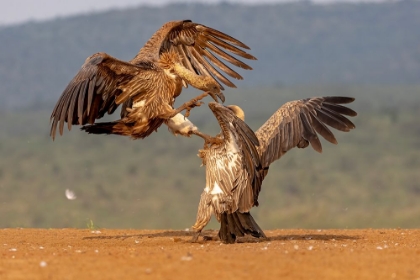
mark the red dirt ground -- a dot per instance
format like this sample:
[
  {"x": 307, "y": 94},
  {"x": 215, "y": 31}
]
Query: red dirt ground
[{"x": 159, "y": 254}]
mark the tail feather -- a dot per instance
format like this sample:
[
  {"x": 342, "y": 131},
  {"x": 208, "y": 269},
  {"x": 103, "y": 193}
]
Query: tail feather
[
  {"x": 135, "y": 130},
  {"x": 107, "y": 128},
  {"x": 238, "y": 224}
]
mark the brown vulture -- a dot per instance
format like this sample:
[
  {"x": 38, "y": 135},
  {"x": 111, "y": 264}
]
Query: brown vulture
[
  {"x": 238, "y": 160},
  {"x": 178, "y": 54}
]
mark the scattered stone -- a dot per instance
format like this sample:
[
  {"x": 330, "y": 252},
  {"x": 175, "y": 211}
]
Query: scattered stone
[{"x": 187, "y": 258}]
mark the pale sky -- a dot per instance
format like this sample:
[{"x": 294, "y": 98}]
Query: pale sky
[{"x": 18, "y": 11}]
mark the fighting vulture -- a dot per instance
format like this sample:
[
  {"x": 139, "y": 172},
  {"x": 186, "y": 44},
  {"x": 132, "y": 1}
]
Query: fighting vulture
[
  {"x": 178, "y": 54},
  {"x": 238, "y": 161}
]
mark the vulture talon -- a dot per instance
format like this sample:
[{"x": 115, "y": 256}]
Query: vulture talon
[
  {"x": 214, "y": 141},
  {"x": 188, "y": 106}
]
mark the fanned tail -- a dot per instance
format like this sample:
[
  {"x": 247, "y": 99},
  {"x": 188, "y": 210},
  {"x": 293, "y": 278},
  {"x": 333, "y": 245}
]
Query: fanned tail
[{"x": 238, "y": 224}]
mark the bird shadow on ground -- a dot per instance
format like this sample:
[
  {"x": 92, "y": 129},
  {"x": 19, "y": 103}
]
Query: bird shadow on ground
[
  {"x": 212, "y": 235},
  {"x": 313, "y": 237},
  {"x": 172, "y": 233},
  {"x": 295, "y": 237}
]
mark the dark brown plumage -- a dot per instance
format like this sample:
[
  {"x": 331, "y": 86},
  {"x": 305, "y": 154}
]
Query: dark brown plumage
[
  {"x": 178, "y": 54},
  {"x": 238, "y": 160}
]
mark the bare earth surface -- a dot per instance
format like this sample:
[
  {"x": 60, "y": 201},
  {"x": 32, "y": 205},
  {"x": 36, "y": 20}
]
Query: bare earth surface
[{"x": 152, "y": 254}]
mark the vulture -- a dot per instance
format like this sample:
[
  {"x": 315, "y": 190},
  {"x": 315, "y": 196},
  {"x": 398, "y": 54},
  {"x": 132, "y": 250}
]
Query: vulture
[
  {"x": 238, "y": 160},
  {"x": 179, "y": 54}
]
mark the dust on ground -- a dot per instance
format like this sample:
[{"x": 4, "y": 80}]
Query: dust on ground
[{"x": 168, "y": 254}]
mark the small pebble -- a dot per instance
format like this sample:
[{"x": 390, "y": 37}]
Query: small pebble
[{"x": 188, "y": 257}]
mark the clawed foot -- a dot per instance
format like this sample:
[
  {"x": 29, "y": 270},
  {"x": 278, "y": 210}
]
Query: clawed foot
[
  {"x": 213, "y": 141},
  {"x": 187, "y": 106},
  {"x": 191, "y": 104},
  {"x": 208, "y": 140},
  {"x": 196, "y": 235}
]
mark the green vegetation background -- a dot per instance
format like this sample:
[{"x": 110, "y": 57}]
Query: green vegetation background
[{"x": 371, "y": 179}]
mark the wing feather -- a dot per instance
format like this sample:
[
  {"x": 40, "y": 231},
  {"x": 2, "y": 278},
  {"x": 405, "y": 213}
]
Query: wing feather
[
  {"x": 57, "y": 110},
  {"x": 322, "y": 129},
  {"x": 63, "y": 113},
  {"x": 341, "y": 109},
  {"x": 308, "y": 134},
  {"x": 217, "y": 33},
  {"x": 217, "y": 42},
  {"x": 101, "y": 75},
  {"x": 204, "y": 40},
  {"x": 71, "y": 110},
  {"x": 227, "y": 56},
  {"x": 298, "y": 123},
  {"x": 243, "y": 174},
  {"x": 222, "y": 66},
  {"x": 185, "y": 57},
  {"x": 209, "y": 69},
  {"x": 81, "y": 104},
  {"x": 334, "y": 120}
]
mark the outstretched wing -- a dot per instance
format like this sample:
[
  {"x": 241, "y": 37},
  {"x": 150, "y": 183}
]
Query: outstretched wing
[
  {"x": 297, "y": 123},
  {"x": 201, "y": 49},
  {"x": 94, "y": 91},
  {"x": 237, "y": 175}
]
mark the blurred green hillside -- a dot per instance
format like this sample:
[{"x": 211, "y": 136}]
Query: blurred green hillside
[
  {"x": 370, "y": 51},
  {"x": 297, "y": 43},
  {"x": 371, "y": 179}
]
